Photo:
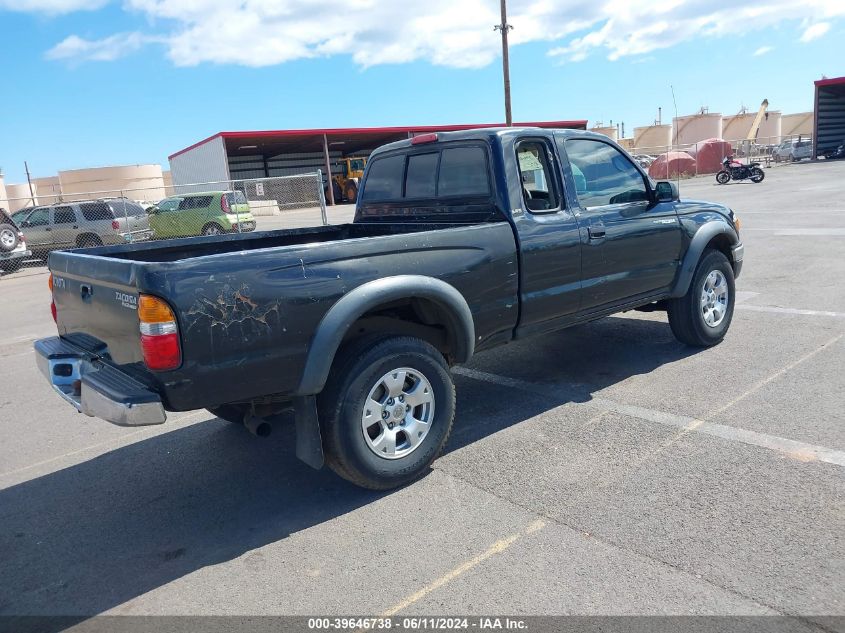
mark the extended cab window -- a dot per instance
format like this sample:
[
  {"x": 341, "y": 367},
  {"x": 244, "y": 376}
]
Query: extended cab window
[
  {"x": 384, "y": 181},
  {"x": 463, "y": 172},
  {"x": 603, "y": 175},
  {"x": 538, "y": 181}
]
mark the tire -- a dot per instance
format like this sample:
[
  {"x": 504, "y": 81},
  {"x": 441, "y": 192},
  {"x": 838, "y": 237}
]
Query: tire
[
  {"x": 792, "y": 158},
  {"x": 212, "y": 228},
  {"x": 723, "y": 177},
  {"x": 687, "y": 314},
  {"x": 757, "y": 174},
  {"x": 233, "y": 413},
  {"x": 11, "y": 265},
  {"x": 356, "y": 440},
  {"x": 88, "y": 241},
  {"x": 350, "y": 192},
  {"x": 8, "y": 238}
]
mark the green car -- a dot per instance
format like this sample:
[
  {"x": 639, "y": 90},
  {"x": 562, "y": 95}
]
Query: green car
[{"x": 206, "y": 213}]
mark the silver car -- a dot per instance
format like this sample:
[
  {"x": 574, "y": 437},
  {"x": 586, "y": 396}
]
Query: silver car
[
  {"x": 82, "y": 224},
  {"x": 793, "y": 150}
]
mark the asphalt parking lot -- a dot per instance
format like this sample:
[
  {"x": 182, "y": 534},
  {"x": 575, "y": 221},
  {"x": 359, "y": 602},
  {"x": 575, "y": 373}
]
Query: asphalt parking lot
[{"x": 606, "y": 469}]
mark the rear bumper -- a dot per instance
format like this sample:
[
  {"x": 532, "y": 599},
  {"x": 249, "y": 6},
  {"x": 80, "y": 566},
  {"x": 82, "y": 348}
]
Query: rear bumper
[
  {"x": 737, "y": 253},
  {"x": 95, "y": 388},
  {"x": 15, "y": 254}
]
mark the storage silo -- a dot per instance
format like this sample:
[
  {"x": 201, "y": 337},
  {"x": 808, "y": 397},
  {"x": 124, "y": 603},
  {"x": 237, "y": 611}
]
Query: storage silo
[
  {"x": 19, "y": 196},
  {"x": 4, "y": 200},
  {"x": 697, "y": 127},
  {"x": 136, "y": 182},
  {"x": 608, "y": 131},
  {"x": 799, "y": 124},
  {"x": 652, "y": 139}
]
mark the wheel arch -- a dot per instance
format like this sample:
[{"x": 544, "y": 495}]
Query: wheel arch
[
  {"x": 713, "y": 235},
  {"x": 436, "y": 306}
]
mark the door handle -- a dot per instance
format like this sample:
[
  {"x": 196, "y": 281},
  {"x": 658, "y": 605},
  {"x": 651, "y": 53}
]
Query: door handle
[
  {"x": 48, "y": 229},
  {"x": 85, "y": 291},
  {"x": 596, "y": 232}
]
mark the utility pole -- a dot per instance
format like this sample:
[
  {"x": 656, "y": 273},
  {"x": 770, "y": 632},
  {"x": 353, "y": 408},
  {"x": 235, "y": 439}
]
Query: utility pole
[
  {"x": 504, "y": 27},
  {"x": 29, "y": 182}
]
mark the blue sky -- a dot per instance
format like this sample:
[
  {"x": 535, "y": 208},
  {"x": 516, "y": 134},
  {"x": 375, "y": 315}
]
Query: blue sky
[{"x": 90, "y": 82}]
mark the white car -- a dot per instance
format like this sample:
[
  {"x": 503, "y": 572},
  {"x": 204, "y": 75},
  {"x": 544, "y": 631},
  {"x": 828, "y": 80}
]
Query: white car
[
  {"x": 793, "y": 150},
  {"x": 13, "y": 248}
]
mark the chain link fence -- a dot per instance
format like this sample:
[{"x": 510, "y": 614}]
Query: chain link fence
[{"x": 55, "y": 221}]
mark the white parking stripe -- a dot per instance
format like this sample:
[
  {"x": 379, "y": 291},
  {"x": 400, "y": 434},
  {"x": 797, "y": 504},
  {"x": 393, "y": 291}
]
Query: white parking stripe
[
  {"x": 777, "y": 310},
  {"x": 801, "y": 451}
]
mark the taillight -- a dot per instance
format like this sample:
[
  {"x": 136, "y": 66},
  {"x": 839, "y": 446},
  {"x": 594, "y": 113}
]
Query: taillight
[
  {"x": 115, "y": 225},
  {"x": 224, "y": 204},
  {"x": 52, "y": 300},
  {"x": 159, "y": 334}
]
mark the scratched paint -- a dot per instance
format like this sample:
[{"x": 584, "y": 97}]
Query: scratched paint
[{"x": 234, "y": 315}]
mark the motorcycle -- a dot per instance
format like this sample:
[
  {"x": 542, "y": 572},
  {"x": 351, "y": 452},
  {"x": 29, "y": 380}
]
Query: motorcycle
[{"x": 734, "y": 170}]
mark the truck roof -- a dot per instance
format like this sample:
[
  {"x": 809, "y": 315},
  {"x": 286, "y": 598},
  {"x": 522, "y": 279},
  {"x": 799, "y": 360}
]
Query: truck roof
[{"x": 488, "y": 133}]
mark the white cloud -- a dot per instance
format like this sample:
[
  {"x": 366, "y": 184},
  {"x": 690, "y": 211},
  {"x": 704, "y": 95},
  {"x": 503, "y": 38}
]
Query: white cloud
[
  {"x": 815, "y": 31},
  {"x": 76, "y": 49},
  {"x": 456, "y": 33},
  {"x": 51, "y": 7},
  {"x": 762, "y": 51}
]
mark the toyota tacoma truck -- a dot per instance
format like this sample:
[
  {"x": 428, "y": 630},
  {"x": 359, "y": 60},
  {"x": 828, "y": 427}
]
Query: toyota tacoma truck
[{"x": 461, "y": 242}]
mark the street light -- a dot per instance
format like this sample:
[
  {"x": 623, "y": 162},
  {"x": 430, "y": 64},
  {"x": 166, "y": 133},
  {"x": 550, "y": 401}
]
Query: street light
[{"x": 504, "y": 27}]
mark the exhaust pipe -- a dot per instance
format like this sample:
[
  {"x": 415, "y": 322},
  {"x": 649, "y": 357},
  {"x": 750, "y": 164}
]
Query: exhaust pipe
[{"x": 257, "y": 426}]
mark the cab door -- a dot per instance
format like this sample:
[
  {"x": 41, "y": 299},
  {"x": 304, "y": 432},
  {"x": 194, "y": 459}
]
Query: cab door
[
  {"x": 631, "y": 243},
  {"x": 37, "y": 230}
]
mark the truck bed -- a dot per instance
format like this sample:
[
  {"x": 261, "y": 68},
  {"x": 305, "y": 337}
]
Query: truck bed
[{"x": 248, "y": 304}]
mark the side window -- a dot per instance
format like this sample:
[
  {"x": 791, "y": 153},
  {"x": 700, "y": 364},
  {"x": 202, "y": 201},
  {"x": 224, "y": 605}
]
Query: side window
[
  {"x": 463, "y": 172},
  {"x": 538, "y": 182},
  {"x": 94, "y": 211},
  {"x": 421, "y": 177},
  {"x": 63, "y": 215},
  {"x": 603, "y": 175},
  {"x": 384, "y": 181},
  {"x": 39, "y": 217}
]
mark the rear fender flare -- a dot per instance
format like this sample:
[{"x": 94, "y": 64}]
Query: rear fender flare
[
  {"x": 699, "y": 242},
  {"x": 354, "y": 304}
]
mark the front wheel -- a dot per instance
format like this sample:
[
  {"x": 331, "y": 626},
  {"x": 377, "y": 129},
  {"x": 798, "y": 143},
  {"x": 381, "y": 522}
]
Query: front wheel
[
  {"x": 212, "y": 229},
  {"x": 757, "y": 174},
  {"x": 701, "y": 317},
  {"x": 723, "y": 177},
  {"x": 387, "y": 411}
]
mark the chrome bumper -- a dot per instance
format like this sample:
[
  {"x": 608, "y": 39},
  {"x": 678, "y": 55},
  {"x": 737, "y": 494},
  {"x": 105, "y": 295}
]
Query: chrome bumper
[{"x": 95, "y": 388}]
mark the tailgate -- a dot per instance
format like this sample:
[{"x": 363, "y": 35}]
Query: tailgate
[{"x": 96, "y": 304}]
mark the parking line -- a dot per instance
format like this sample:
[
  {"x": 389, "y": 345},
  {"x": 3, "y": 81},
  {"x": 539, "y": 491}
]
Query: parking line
[
  {"x": 777, "y": 310},
  {"x": 498, "y": 547},
  {"x": 800, "y": 451}
]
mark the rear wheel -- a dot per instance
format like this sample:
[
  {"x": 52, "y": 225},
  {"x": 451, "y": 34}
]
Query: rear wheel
[
  {"x": 723, "y": 177},
  {"x": 89, "y": 241},
  {"x": 212, "y": 228},
  {"x": 702, "y": 316},
  {"x": 386, "y": 411},
  {"x": 757, "y": 174}
]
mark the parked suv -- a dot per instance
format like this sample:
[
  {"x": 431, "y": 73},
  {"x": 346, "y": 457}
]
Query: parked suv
[
  {"x": 13, "y": 248},
  {"x": 793, "y": 150},
  {"x": 207, "y": 213},
  {"x": 82, "y": 224}
]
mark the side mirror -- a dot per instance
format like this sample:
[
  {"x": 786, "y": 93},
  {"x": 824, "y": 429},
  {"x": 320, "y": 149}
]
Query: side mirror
[
  {"x": 666, "y": 191},
  {"x": 152, "y": 210},
  {"x": 24, "y": 224}
]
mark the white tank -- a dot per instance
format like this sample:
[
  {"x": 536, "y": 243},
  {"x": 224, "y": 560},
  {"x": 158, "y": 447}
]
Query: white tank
[
  {"x": 652, "y": 139},
  {"x": 19, "y": 196},
  {"x": 697, "y": 127},
  {"x": 800, "y": 123},
  {"x": 49, "y": 189},
  {"x": 136, "y": 182},
  {"x": 608, "y": 131},
  {"x": 736, "y": 127}
]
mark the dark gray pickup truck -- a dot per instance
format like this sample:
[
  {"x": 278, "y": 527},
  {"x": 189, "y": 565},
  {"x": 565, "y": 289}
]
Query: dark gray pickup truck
[{"x": 461, "y": 242}]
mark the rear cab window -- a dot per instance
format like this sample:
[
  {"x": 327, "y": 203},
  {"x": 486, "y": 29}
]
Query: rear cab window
[{"x": 538, "y": 177}]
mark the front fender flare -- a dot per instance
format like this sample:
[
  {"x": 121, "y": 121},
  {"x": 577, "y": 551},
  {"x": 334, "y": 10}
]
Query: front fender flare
[
  {"x": 354, "y": 304},
  {"x": 699, "y": 242}
]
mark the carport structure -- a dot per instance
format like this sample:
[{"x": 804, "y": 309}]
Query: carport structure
[
  {"x": 829, "y": 127},
  {"x": 262, "y": 154}
]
